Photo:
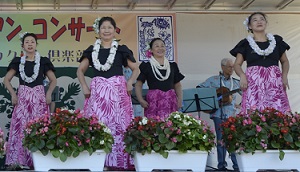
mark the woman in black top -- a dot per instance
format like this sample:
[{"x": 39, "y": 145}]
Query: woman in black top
[
  {"x": 31, "y": 101},
  {"x": 109, "y": 94},
  {"x": 163, "y": 79},
  {"x": 263, "y": 83}
]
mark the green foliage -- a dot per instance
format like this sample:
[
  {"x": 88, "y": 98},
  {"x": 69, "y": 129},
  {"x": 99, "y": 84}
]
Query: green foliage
[
  {"x": 262, "y": 130},
  {"x": 66, "y": 133},
  {"x": 178, "y": 132}
]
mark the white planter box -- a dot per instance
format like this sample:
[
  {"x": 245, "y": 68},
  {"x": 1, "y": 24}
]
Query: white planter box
[
  {"x": 195, "y": 161},
  {"x": 268, "y": 160},
  {"x": 95, "y": 162}
]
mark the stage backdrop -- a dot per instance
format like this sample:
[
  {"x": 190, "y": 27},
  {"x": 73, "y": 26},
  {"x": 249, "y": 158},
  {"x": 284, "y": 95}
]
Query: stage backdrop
[{"x": 203, "y": 40}]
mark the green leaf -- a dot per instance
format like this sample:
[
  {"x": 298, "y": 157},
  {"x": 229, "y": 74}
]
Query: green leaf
[
  {"x": 63, "y": 157},
  {"x": 33, "y": 148},
  {"x": 76, "y": 153},
  {"x": 179, "y": 138},
  {"x": 44, "y": 152},
  {"x": 162, "y": 138},
  {"x": 281, "y": 155},
  {"x": 250, "y": 133},
  {"x": 164, "y": 154},
  {"x": 55, "y": 153},
  {"x": 287, "y": 137},
  {"x": 41, "y": 144},
  {"x": 156, "y": 147},
  {"x": 73, "y": 130},
  {"x": 297, "y": 143},
  {"x": 90, "y": 150},
  {"x": 50, "y": 144},
  {"x": 167, "y": 131},
  {"x": 52, "y": 135},
  {"x": 275, "y": 144},
  {"x": 61, "y": 140},
  {"x": 170, "y": 145}
]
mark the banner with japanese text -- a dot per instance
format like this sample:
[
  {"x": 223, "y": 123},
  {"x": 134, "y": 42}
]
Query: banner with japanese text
[{"x": 63, "y": 37}]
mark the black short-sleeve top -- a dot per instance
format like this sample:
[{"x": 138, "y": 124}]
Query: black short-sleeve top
[
  {"x": 253, "y": 59},
  {"x": 123, "y": 53},
  {"x": 45, "y": 66},
  {"x": 154, "y": 83}
]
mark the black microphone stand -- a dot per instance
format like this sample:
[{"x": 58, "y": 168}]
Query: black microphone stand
[
  {"x": 221, "y": 100},
  {"x": 221, "y": 108}
]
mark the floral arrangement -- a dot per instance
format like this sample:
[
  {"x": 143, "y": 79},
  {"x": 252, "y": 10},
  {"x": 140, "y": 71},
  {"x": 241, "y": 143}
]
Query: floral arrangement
[
  {"x": 2, "y": 144},
  {"x": 66, "y": 133},
  {"x": 178, "y": 132},
  {"x": 262, "y": 130}
]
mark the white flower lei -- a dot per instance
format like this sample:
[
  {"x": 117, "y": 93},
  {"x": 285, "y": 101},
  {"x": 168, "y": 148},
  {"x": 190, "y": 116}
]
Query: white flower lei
[
  {"x": 259, "y": 51},
  {"x": 35, "y": 69},
  {"x": 156, "y": 66},
  {"x": 110, "y": 59}
]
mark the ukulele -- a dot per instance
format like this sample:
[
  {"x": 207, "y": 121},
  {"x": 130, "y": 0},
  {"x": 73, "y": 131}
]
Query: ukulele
[{"x": 224, "y": 97}]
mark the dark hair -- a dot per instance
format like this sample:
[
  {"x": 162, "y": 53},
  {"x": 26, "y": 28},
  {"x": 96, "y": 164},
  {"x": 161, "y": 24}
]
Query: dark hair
[
  {"x": 29, "y": 34},
  {"x": 110, "y": 19},
  {"x": 153, "y": 40},
  {"x": 250, "y": 17}
]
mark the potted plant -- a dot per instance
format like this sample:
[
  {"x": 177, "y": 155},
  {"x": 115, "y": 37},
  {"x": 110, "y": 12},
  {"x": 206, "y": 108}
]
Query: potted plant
[
  {"x": 66, "y": 134},
  {"x": 261, "y": 132},
  {"x": 2, "y": 144},
  {"x": 179, "y": 134}
]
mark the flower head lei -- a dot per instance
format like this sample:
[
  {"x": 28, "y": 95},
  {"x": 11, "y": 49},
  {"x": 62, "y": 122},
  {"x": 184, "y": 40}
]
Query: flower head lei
[
  {"x": 22, "y": 36},
  {"x": 96, "y": 25},
  {"x": 36, "y": 67},
  {"x": 246, "y": 23},
  {"x": 148, "y": 52}
]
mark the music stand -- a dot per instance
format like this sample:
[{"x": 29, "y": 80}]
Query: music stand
[
  {"x": 134, "y": 98},
  {"x": 199, "y": 99}
]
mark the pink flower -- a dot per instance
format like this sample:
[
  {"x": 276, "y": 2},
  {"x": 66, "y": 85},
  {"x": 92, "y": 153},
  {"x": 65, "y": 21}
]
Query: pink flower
[
  {"x": 178, "y": 131},
  {"x": 79, "y": 116},
  {"x": 88, "y": 140},
  {"x": 249, "y": 121},
  {"x": 148, "y": 53},
  {"x": 77, "y": 111},
  {"x": 174, "y": 139},
  {"x": 258, "y": 128},
  {"x": 67, "y": 144},
  {"x": 245, "y": 122},
  {"x": 169, "y": 124},
  {"x": 5, "y": 146},
  {"x": 263, "y": 118}
]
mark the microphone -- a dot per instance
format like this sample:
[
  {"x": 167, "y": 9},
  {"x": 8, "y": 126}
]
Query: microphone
[{"x": 220, "y": 73}]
